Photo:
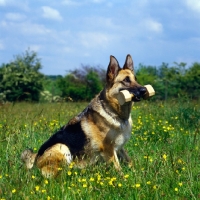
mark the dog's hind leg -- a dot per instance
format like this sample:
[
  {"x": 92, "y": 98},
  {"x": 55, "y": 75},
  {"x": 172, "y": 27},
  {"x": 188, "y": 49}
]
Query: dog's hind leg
[{"x": 52, "y": 160}]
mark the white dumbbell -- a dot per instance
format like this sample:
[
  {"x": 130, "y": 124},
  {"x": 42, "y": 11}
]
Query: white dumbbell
[{"x": 125, "y": 96}]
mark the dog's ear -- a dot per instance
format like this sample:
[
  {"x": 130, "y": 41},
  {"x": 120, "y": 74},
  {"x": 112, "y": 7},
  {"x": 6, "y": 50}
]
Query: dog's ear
[
  {"x": 113, "y": 69},
  {"x": 129, "y": 63}
]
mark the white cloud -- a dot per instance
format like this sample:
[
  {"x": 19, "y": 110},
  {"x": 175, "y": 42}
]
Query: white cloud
[
  {"x": 152, "y": 25},
  {"x": 72, "y": 3},
  {"x": 2, "y": 2},
  {"x": 1, "y": 45},
  {"x": 142, "y": 3},
  {"x": 15, "y": 16},
  {"x": 99, "y": 22},
  {"x": 94, "y": 39},
  {"x": 98, "y": 1},
  {"x": 51, "y": 13},
  {"x": 34, "y": 29},
  {"x": 25, "y": 28},
  {"x": 193, "y": 4},
  {"x": 35, "y": 47},
  {"x": 67, "y": 49},
  {"x": 195, "y": 39},
  {"x": 22, "y": 5}
]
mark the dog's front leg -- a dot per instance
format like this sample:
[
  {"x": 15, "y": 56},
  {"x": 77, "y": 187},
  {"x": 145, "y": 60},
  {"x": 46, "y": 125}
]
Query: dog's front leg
[
  {"x": 124, "y": 157},
  {"x": 116, "y": 162},
  {"x": 111, "y": 157}
]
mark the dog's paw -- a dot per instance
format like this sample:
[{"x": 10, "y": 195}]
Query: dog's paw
[{"x": 130, "y": 165}]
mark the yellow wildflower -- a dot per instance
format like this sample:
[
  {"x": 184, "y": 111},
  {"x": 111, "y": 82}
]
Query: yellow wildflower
[
  {"x": 37, "y": 188},
  {"x": 137, "y": 185},
  {"x": 148, "y": 182},
  {"x": 14, "y": 190},
  {"x": 91, "y": 179},
  {"x": 155, "y": 187},
  {"x": 119, "y": 185},
  {"x": 180, "y": 161},
  {"x": 110, "y": 183},
  {"x": 164, "y": 156},
  {"x": 126, "y": 176},
  {"x": 69, "y": 173},
  {"x": 176, "y": 189},
  {"x": 101, "y": 183}
]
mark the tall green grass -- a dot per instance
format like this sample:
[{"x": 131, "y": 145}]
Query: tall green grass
[{"x": 164, "y": 147}]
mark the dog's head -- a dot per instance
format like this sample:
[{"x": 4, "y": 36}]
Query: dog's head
[{"x": 123, "y": 79}]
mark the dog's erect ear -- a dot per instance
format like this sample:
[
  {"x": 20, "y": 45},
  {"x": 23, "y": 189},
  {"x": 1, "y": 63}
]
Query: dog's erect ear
[
  {"x": 113, "y": 69},
  {"x": 129, "y": 63}
]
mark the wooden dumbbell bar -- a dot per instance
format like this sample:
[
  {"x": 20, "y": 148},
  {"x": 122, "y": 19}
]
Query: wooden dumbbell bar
[{"x": 125, "y": 96}]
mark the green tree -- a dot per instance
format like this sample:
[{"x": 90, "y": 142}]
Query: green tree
[
  {"x": 20, "y": 79},
  {"x": 168, "y": 78},
  {"x": 81, "y": 84},
  {"x": 191, "y": 81},
  {"x": 149, "y": 75},
  {"x": 94, "y": 84},
  {"x": 71, "y": 87},
  {"x": 50, "y": 84},
  {"x": 146, "y": 74}
]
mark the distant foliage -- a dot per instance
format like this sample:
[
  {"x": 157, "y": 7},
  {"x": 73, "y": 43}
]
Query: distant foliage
[
  {"x": 171, "y": 82},
  {"x": 20, "y": 79},
  {"x": 81, "y": 84}
]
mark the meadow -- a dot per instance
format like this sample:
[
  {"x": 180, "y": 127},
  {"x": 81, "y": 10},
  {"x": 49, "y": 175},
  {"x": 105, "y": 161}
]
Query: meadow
[{"x": 164, "y": 147}]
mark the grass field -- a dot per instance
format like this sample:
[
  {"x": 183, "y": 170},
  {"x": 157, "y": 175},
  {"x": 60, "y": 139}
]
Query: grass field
[{"x": 164, "y": 147}]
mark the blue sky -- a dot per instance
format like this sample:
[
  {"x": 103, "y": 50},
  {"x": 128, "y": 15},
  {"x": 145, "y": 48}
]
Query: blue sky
[{"x": 68, "y": 33}]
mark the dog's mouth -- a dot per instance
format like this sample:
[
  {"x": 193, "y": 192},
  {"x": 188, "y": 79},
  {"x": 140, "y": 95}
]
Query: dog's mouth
[
  {"x": 136, "y": 98},
  {"x": 138, "y": 93}
]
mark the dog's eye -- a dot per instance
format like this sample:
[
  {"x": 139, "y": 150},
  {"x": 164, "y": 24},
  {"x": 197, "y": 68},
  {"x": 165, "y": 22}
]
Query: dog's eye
[{"x": 127, "y": 79}]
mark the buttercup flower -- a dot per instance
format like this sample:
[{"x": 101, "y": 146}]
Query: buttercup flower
[
  {"x": 176, "y": 189},
  {"x": 137, "y": 185},
  {"x": 14, "y": 190}
]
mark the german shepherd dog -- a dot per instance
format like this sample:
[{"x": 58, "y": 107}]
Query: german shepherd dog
[{"x": 99, "y": 132}]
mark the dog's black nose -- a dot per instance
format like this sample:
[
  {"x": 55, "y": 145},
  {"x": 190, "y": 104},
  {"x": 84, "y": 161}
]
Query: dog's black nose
[{"x": 142, "y": 90}]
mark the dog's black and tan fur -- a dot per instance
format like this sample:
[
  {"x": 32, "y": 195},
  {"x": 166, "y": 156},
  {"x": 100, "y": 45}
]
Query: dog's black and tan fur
[{"x": 100, "y": 131}]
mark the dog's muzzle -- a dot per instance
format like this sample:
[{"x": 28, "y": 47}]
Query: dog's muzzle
[{"x": 138, "y": 93}]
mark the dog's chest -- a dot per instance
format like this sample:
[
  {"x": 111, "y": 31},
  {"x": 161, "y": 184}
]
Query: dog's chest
[{"x": 121, "y": 136}]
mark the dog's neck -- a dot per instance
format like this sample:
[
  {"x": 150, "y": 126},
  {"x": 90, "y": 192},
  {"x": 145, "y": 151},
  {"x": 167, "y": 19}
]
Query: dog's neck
[{"x": 122, "y": 111}]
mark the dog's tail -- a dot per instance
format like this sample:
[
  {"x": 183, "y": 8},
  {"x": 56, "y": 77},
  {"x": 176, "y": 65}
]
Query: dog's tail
[
  {"x": 28, "y": 157},
  {"x": 50, "y": 161}
]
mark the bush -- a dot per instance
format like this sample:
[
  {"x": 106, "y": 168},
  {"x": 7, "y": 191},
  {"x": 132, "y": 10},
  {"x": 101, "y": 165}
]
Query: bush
[{"x": 20, "y": 79}]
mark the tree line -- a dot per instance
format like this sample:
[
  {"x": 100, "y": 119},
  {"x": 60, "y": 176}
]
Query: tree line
[{"x": 21, "y": 80}]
